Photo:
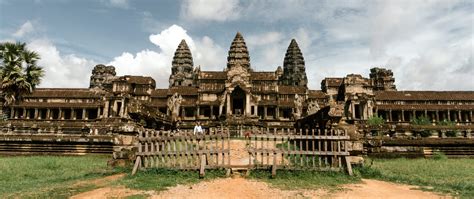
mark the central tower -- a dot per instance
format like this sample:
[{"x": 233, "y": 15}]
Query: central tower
[{"x": 238, "y": 53}]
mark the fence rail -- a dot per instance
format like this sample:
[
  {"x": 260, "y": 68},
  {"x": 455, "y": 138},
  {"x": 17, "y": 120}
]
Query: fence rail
[{"x": 163, "y": 149}]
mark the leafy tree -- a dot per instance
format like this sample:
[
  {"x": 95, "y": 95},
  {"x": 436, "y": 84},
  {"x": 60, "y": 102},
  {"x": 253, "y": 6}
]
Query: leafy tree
[{"x": 19, "y": 72}]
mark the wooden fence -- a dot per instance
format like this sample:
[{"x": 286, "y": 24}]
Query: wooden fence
[
  {"x": 184, "y": 150},
  {"x": 315, "y": 150}
]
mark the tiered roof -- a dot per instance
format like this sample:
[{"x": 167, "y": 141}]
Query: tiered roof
[
  {"x": 182, "y": 56},
  {"x": 238, "y": 53}
]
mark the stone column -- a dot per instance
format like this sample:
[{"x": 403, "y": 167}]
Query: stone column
[
  {"x": 36, "y": 114},
  {"x": 84, "y": 114},
  {"x": 277, "y": 113},
  {"x": 403, "y": 115},
  {"x": 73, "y": 114},
  {"x": 122, "y": 109},
  {"x": 48, "y": 114},
  {"x": 247, "y": 104},
  {"x": 115, "y": 109},
  {"x": 470, "y": 116},
  {"x": 60, "y": 114},
  {"x": 98, "y": 113},
  {"x": 449, "y": 115},
  {"x": 24, "y": 113},
  {"x": 212, "y": 112},
  {"x": 12, "y": 113},
  {"x": 426, "y": 113},
  {"x": 414, "y": 115},
  {"x": 390, "y": 115},
  {"x": 16, "y": 113},
  {"x": 437, "y": 115},
  {"x": 198, "y": 113},
  {"x": 106, "y": 109},
  {"x": 459, "y": 116},
  {"x": 228, "y": 108}
]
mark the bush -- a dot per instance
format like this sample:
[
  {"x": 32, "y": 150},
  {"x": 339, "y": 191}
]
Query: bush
[
  {"x": 438, "y": 155},
  {"x": 424, "y": 133},
  {"x": 375, "y": 121},
  {"x": 451, "y": 134},
  {"x": 422, "y": 120},
  {"x": 446, "y": 123}
]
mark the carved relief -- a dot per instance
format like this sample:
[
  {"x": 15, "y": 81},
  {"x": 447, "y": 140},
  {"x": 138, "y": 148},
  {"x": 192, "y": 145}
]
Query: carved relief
[
  {"x": 298, "y": 106},
  {"x": 313, "y": 107},
  {"x": 174, "y": 104}
]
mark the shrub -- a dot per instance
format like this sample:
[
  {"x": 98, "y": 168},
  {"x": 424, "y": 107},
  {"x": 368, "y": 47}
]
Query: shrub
[
  {"x": 451, "y": 134},
  {"x": 422, "y": 120},
  {"x": 375, "y": 121},
  {"x": 438, "y": 155},
  {"x": 423, "y": 133},
  {"x": 446, "y": 123}
]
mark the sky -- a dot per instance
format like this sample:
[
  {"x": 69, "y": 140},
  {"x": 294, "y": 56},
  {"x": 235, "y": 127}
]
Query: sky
[{"x": 428, "y": 44}]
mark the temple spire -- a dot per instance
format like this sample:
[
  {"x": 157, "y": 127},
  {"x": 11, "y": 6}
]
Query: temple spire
[
  {"x": 293, "y": 66},
  {"x": 238, "y": 53},
  {"x": 182, "y": 66}
]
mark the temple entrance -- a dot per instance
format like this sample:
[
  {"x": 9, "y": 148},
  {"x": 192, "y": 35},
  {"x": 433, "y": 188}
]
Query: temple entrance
[{"x": 238, "y": 101}]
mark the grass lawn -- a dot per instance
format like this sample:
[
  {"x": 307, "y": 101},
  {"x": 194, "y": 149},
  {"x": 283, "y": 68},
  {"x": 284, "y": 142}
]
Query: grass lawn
[
  {"x": 304, "y": 179},
  {"x": 48, "y": 176},
  {"x": 453, "y": 176}
]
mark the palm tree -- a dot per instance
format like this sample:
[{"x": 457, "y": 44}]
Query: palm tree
[{"x": 19, "y": 72}]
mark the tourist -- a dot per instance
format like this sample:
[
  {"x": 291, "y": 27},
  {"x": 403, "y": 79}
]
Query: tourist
[{"x": 198, "y": 129}]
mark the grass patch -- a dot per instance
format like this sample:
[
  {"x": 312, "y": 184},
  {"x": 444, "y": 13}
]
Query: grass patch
[
  {"x": 161, "y": 179},
  {"x": 452, "y": 176},
  {"x": 304, "y": 179},
  {"x": 46, "y": 176}
]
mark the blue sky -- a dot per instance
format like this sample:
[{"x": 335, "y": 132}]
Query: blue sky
[{"x": 428, "y": 44}]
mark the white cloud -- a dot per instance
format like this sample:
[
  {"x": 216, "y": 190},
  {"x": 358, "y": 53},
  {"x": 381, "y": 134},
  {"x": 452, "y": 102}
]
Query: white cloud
[
  {"x": 211, "y": 10},
  {"x": 24, "y": 29},
  {"x": 61, "y": 70},
  {"x": 158, "y": 64},
  {"x": 124, "y": 4}
]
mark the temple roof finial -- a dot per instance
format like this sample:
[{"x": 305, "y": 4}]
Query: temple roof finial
[{"x": 238, "y": 52}]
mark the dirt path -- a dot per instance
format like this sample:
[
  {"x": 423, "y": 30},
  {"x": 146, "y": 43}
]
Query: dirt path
[{"x": 244, "y": 188}]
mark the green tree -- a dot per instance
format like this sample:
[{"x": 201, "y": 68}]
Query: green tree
[
  {"x": 422, "y": 120},
  {"x": 19, "y": 72}
]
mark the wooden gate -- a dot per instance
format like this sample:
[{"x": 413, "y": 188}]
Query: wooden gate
[
  {"x": 183, "y": 150},
  {"x": 316, "y": 149}
]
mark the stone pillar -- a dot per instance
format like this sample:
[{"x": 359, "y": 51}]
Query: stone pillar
[
  {"x": 277, "y": 113},
  {"x": 449, "y": 115},
  {"x": 470, "y": 116},
  {"x": 390, "y": 115},
  {"x": 228, "y": 108},
  {"x": 212, "y": 112},
  {"x": 403, "y": 115},
  {"x": 12, "y": 113},
  {"x": 36, "y": 114},
  {"x": 198, "y": 112},
  {"x": 122, "y": 109},
  {"x": 247, "y": 104},
  {"x": 73, "y": 114},
  {"x": 84, "y": 114},
  {"x": 98, "y": 113},
  {"x": 48, "y": 114},
  {"x": 459, "y": 116},
  {"x": 265, "y": 112},
  {"x": 426, "y": 113},
  {"x": 106, "y": 108},
  {"x": 16, "y": 113},
  {"x": 24, "y": 114},
  {"x": 437, "y": 115},
  {"x": 414, "y": 115},
  {"x": 115, "y": 109},
  {"x": 61, "y": 114}
]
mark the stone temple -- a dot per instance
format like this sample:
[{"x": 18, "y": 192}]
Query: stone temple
[{"x": 238, "y": 96}]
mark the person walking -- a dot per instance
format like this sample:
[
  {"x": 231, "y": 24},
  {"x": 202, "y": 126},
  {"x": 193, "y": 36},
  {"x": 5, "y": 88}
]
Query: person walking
[{"x": 198, "y": 129}]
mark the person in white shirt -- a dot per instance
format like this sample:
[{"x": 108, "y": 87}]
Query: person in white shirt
[{"x": 197, "y": 129}]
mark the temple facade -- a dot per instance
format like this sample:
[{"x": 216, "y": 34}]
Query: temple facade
[{"x": 237, "y": 95}]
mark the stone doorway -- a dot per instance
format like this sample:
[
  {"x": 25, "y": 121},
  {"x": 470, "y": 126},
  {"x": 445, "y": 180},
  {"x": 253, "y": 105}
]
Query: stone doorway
[{"x": 238, "y": 101}]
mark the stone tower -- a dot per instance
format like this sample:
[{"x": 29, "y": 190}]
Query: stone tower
[
  {"x": 102, "y": 77},
  {"x": 238, "y": 53},
  {"x": 382, "y": 79},
  {"x": 294, "y": 72},
  {"x": 182, "y": 66}
]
